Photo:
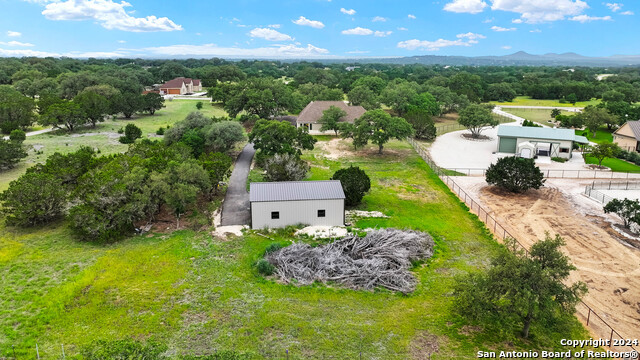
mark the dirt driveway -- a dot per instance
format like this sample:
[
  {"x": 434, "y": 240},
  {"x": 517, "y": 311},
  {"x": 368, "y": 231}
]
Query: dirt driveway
[{"x": 608, "y": 265}]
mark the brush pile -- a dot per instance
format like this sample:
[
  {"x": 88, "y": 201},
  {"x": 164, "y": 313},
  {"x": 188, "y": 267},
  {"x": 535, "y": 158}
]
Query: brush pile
[{"x": 380, "y": 259}]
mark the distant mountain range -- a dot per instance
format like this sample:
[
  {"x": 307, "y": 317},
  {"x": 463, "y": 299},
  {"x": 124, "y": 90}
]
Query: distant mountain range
[{"x": 520, "y": 58}]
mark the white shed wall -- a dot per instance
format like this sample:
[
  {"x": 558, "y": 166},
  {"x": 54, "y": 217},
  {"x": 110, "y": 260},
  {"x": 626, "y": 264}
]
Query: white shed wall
[
  {"x": 563, "y": 144},
  {"x": 297, "y": 212}
]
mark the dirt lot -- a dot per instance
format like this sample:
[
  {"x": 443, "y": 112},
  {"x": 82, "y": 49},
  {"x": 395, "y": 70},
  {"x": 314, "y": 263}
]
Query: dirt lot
[{"x": 606, "y": 263}]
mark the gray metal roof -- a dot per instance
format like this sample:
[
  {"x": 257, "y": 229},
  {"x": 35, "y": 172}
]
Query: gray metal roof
[
  {"x": 538, "y": 133},
  {"x": 295, "y": 190}
]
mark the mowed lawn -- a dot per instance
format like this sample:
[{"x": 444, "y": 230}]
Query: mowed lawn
[
  {"x": 104, "y": 136},
  {"x": 540, "y": 116},
  {"x": 198, "y": 293},
  {"x": 528, "y": 101}
]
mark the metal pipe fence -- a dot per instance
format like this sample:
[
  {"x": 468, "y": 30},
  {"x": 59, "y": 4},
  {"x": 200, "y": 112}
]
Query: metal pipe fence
[
  {"x": 583, "y": 311},
  {"x": 561, "y": 174}
]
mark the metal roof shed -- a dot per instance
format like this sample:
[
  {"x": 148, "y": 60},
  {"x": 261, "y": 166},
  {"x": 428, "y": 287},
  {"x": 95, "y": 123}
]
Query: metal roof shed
[
  {"x": 549, "y": 141},
  {"x": 279, "y": 204}
]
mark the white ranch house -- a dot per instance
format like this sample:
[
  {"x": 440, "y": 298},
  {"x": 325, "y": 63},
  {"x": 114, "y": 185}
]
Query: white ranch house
[{"x": 280, "y": 204}]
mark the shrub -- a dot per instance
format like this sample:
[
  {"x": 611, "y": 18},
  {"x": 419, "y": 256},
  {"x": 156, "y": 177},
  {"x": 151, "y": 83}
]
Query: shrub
[
  {"x": 273, "y": 248},
  {"x": 559, "y": 159},
  {"x": 121, "y": 131},
  {"x": 160, "y": 131},
  {"x": 355, "y": 183},
  {"x": 199, "y": 105},
  {"x": 131, "y": 133},
  {"x": 285, "y": 167},
  {"x": 35, "y": 198},
  {"x": 515, "y": 174},
  {"x": 11, "y": 152},
  {"x": 265, "y": 268},
  {"x": 18, "y": 135},
  {"x": 527, "y": 123}
]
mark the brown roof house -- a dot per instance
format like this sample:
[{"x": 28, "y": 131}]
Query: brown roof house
[
  {"x": 311, "y": 114},
  {"x": 628, "y": 136},
  {"x": 181, "y": 86}
]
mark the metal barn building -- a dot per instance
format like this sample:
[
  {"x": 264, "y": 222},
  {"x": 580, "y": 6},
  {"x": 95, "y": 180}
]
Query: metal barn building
[
  {"x": 528, "y": 142},
  {"x": 279, "y": 204}
]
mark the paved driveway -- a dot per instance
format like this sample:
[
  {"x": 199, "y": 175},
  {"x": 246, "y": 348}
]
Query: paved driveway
[{"x": 236, "y": 208}]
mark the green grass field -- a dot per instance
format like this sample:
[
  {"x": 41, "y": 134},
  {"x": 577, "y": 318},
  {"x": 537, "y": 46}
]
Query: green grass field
[
  {"x": 104, "y": 136},
  {"x": 603, "y": 135},
  {"x": 540, "y": 116},
  {"x": 616, "y": 165},
  {"x": 198, "y": 294},
  {"x": 528, "y": 101}
]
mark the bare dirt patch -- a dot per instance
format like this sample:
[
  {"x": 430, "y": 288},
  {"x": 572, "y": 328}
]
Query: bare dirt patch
[
  {"x": 424, "y": 345},
  {"x": 605, "y": 263}
]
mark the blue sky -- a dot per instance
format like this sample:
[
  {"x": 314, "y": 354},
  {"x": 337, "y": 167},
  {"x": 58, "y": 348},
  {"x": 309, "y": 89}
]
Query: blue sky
[{"x": 316, "y": 28}]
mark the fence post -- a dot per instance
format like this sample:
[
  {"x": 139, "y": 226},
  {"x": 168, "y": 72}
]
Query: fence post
[
  {"x": 37, "y": 352},
  {"x": 610, "y": 337},
  {"x": 588, "y": 316},
  {"x": 63, "y": 356}
]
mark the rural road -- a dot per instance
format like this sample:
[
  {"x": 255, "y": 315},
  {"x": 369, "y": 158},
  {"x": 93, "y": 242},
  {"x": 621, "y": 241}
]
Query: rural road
[
  {"x": 33, "y": 133},
  {"x": 236, "y": 207}
]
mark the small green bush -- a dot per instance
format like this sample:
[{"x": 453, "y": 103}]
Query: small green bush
[
  {"x": 160, "y": 131},
  {"x": 265, "y": 268},
  {"x": 121, "y": 131},
  {"x": 273, "y": 248},
  {"x": 559, "y": 159},
  {"x": 131, "y": 133}
]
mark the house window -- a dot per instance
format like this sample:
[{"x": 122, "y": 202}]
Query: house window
[
  {"x": 322, "y": 213},
  {"x": 275, "y": 215},
  {"x": 564, "y": 150},
  {"x": 310, "y": 126}
]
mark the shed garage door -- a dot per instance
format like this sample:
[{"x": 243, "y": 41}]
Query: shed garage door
[{"x": 507, "y": 145}]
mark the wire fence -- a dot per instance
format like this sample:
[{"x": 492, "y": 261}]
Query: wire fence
[{"x": 584, "y": 312}]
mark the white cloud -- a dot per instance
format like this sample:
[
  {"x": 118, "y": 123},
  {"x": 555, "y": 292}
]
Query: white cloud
[
  {"x": 303, "y": 21},
  {"x": 122, "y": 41},
  {"x": 517, "y": 21},
  {"x": 357, "y": 31},
  {"x": 277, "y": 51},
  {"x": 535, "y": 31},
  {"x": 382, "y": 33},
  {"x": 357, "y": 52},
  {"x": 379, "y": 18},
  {"x": 486, "y": 21},
  {"x": 13, "y": 33},
  {"x": 501, "y": 29},
  {"x": 627, "y": 13},
  {"x": 15, "y": 43},
  {"x": 274, "y": 26},
  {"x": 109, "y": 14},
  {"x": 586, "y": 18},
  {"x": 467, "y": 39},
  {"x": 537, "y": 11},
  {"x": 466, "y": 6},
  {"x": 73, "y": 54},
  {"x": 269, "y": 34},
  {"x": 614, "y": 6},
  {"x": 506, "y": 47},
  {"x": 411, "y": 16},
  {"x": 348, "y": 12},
  {"x": 403, "y": 29}
]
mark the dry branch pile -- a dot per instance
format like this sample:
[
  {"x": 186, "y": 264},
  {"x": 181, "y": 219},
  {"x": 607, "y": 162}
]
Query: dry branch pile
[{"x": 381, "y": 258}]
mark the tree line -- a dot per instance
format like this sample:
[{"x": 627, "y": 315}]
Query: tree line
[{"x": 104, "y": 198}]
